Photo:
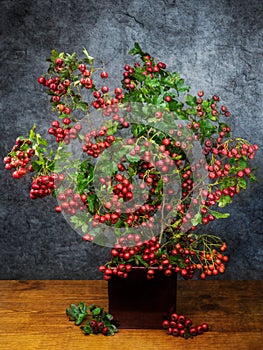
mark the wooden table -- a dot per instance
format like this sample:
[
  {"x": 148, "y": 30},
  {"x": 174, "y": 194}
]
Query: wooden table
[{"x": 32, "y": 316}]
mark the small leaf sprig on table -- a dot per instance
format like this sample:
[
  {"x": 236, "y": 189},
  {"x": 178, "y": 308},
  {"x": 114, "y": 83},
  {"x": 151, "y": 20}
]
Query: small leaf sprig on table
[{"x": 97, "y": 320}]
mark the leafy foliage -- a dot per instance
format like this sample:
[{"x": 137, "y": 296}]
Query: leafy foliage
[{"x": 97, "y": 320}]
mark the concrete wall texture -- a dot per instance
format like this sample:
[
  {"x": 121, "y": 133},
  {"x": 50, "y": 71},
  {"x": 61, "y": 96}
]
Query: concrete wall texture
[{"x": 215, "y": 45}]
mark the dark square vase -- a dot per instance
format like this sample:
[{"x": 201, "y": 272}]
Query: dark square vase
[{"x": 136, "y": 302}]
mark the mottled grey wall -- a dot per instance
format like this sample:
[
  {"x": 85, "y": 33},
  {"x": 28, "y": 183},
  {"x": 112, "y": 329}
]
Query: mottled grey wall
[{"x": 215, "y": 45}]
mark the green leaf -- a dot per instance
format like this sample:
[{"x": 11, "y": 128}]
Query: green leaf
[
  {"x": 242, "y": 164},
  {"x": 89, "y": 58},
  {"x": 112, "y": 127},
  {"x": 32, "y": 134},
  {"x": 224, "y": 200},
  {"x": 109, "y": 168},
  {"x": 82, "y": 105},
  {"x": 218, "y": 215},
  {"x": 181, "y": 87},
  {"x": 91, "y": 202},
  {"x": 136, "y": 50},
  {"x": 138, "y": 129},
  {"x": 109, "y": 317},
  {"x": 173, "y": 105},
  {"x": 252, "y": 177},
  {"x": 131, "y": 171},
  {"x": 40, "y": 140},
  {"x": 112, "y": 329},
  {"x": 86, "y": 329},
  {"x": 54, "y": 54},
  {"x": 212, "y": 117},
  {"x": 137, "y": 75},
  {"x": 76, "y": 220},
  {"x": 207, "y": 128},
  {"x": 159, "y": 186},
  {"x": 152, "y": 82},
  {"x": 242, "y": 183},
  {"x": 96, "y": 311},
  {"x": 197, "y": 219},
  {"x": 77, "y": 313},
  {"x": 133, "y": 159},
  {"x": 191, "y": 100}
]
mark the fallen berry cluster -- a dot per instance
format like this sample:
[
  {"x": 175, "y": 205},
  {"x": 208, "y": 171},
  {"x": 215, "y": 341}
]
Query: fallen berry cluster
[
  {"x": 181, "y": 326},
  {"x": 94, "y": 320},
  {"x": 97, "y": 320}
]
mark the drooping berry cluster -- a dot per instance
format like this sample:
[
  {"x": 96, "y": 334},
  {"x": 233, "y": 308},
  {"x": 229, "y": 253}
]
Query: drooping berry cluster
[
  {"x": 43, "y": 185},
  {"x": 123, "y": 188},
  {"x": 20, "y": 158},
  {"x": 57, "y": 88},
  {"x": 102, "y": 142},
  {"x": 71, "y": 201},
  {"x": 64, "y": 132},
  {"x": 105, "y": 102},
  {"x": 181, "y": 326}
]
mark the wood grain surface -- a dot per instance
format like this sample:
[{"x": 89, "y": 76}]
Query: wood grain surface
[{"x": 32, "y": 316}]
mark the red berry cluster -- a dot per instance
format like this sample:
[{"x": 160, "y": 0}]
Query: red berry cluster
[
  {"x": 20, "y": 158},
  {"x": 213, "y": 106},
  {"x": 148, "y": 69},
  {"x": 85, "y": 80},
  {"x": 70, "y": 202},
  {"x": 108, "y": 218},
  {"x": 181, "y": 326},
  {"x": 185, "y": 258},
  {"x": 123, "y": 188},
  {"x": 42, "y": 186},
  {"x": 57, "y": 87},
  {"x": 121, "y": 271},
  {"x": 214, "y": 263},
  {"x": 135, "y": 214},
  {"x": 112, "y": 110},
  {"x": 103, "y": 100},
  {"x": 94, "y": 149},
  {"x": 110, "y": 106},
  {"x": 98, "y": 327},
  {"x": 64, "y": 132},
  {"x": 58, "y": 131}
]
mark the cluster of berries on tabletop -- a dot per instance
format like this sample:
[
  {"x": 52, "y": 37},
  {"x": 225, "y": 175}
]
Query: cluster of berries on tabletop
[
  {"x": 92, "y": 319},
  {"x": 180, "y": 326}
]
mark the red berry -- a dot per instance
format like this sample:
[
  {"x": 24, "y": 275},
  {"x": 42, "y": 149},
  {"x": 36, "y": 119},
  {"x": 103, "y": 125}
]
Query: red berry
[
  {"x": 204, "y": 327},
  {"x": 166, "y": 324},
  {"x": 104, "y": 75},
  {"x": 41, "y": 80},
  {"x": 59, "y": 61},
  {"x": 58, "y": 209},
  {"x": 174, "y": 317},
  {"x": 104, "y": 89}
]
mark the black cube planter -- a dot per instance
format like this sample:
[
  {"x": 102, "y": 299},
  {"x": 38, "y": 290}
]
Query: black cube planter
[{"x": 136, "y": 302}]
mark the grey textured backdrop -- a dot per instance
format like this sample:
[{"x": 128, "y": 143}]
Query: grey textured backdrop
[{"x": 215, "y": 45}]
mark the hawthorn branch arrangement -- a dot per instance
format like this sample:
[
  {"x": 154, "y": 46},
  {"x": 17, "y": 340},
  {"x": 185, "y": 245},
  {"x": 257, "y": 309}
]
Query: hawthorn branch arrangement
[{"x": 152, "y": 163}]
